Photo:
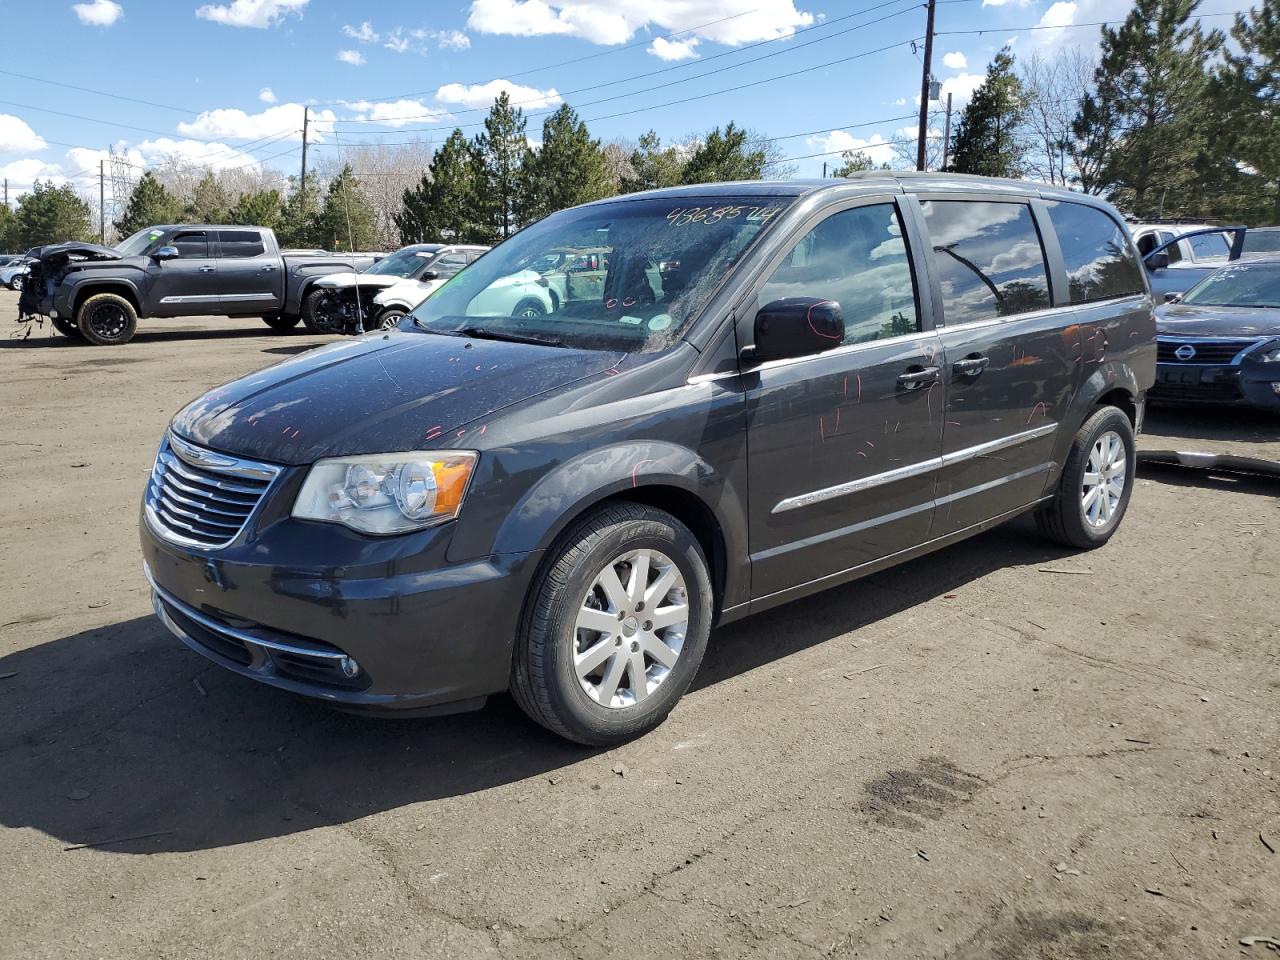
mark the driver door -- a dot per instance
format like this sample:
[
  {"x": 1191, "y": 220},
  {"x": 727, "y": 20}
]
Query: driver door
[
  {"x": 187, "y": 286},
  {"x": 843, "y": 446}
]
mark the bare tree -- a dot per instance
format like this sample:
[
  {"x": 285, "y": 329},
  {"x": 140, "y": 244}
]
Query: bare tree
[
  {"x": 1056, "y": 86},
  {"x": 384, "y": 172},
  {"x": 904, "y": 146},
  {"x": 617, "y": 157}
]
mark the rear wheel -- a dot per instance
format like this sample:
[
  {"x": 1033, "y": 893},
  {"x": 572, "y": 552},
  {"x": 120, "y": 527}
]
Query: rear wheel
[
  {"x": 617, "y": 627},
  {"x": 106, "y": 320},
  {"x": 529, "y": 308},
  {"x": 16, "y": 283},
  {"x": 66, "y": 328},
  {"x": 281, "y": 322},
  {"x": 1097, "y": 480}
]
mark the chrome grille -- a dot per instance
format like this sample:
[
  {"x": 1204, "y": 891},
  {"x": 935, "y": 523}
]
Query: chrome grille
[
  {"x": 201, "y": 497},
  {"x": 1210, "y": 353}
]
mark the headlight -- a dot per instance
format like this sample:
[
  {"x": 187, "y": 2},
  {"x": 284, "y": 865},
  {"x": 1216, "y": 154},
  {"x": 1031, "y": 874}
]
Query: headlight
[
  {"x": 389, "y": 493},
  {"x": 1271, "y": 355}
]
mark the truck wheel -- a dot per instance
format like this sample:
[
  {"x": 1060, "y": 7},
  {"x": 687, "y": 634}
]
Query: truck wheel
[
  {"x": 1097, "y": 480},
  {"x": 281, "y": 322},
  {"x": 66, "y": 328},
  {"x": 315, "y": 315},
  {"x": 389, "y": 317},
  {"x": 530, "y": 308},
  {"x": 616, "y": 627},
  {"x": 107, "y": 320}
]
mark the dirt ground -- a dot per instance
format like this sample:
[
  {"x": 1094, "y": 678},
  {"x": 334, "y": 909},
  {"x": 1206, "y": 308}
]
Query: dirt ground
[{"x": 971, "y": 756}]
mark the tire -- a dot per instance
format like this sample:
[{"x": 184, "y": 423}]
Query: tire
[
  {"x": 313, "y": 317},
  {"x": 281, "y": 322},
  {"x": 389, "y": 317},
  {"x": 66, "y": 328},
  {"x": 530, "y": 308},
  {"x": 16, "y": 284},
  {"x": 1077, "y": 517},
  {"x": 106, "y": 320},
  {"x": 544, "y": 679}
]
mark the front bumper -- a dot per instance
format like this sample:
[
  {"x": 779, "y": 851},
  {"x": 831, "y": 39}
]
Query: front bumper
[
  {"x": 1253, "y": 384},
  {"x": 425, "y": 636}
]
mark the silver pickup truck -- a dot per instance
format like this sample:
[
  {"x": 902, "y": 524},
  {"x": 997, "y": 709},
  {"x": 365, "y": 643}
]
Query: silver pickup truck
[{"x": 99, "y": 293}]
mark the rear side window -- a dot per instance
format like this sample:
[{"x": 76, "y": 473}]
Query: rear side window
[
  {"x": 191, "y": 244},
  {"x": 449, "y": 264},
  {"x": 241, "y": 243},
  {"x": 1100, "y": 263},
  {"x": 988, "y": 258},
  {"x": 858, "y": 259},
  {"x": 1209, "y": 246}
]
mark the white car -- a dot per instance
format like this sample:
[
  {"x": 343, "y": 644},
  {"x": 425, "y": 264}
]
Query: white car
[{"x": 12, "y": 274}]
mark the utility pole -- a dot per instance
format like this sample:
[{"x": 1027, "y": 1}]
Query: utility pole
[
  {"x": 824, "y": 169},
  {"x": 924, "y": 87},
  {"x": 946, "y": 136},
  {"x": 102, "y": 201},
  {"x": 302, "y": 182}
]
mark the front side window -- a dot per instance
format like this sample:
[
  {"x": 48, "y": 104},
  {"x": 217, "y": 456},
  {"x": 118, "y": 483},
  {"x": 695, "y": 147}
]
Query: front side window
[
  {"x": 241, "y": 243},
  {"x": 1238, "y": 285},
  {"x": 1100, "y": 263},
  {"x": 449, "y": 264},
  {"x": 988, "y": 259},
  {"x": 192, "y": 244},
  {"x": 1209, "y": 246},
  {"x": 658, "y": 261},
  {"x": 858, "y": 259}
]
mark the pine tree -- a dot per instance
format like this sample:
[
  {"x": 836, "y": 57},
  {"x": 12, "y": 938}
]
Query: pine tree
[
  {"x": 10, "y": 235},
  {"x": 567, "y": 170},
  {"x": 855, "y": 161},
  {"x": 441, "y": 208},
  {"x": 149, "y": 205},
  {"x": 987, "y": 139},
  {"x": 1146, "y": 126},
  {"x": 347, "y": 221},
  {"x": 259, "y": 209},
  {"x": 210, "y": 202},
  {"x": 653, "y": 166},
  {"x": 50, "y": 214},
  {"x": 725, "y": 155},
  {"x": 298, "y": 226},
  {"x": 498, "y": 159}
]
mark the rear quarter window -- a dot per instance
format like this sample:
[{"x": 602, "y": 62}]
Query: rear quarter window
[
  {"x": 241, "y": 243},
  {"x": 1100, "y": 262}
]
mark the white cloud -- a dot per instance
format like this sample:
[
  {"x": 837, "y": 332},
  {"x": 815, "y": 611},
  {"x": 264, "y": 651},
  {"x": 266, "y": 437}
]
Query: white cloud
[
  {"x": 364, "y": 33},
  {"x": 17, "y": 137},
  {"x": 617, "y": 21},
  {"x": 876, "y": 147},
  {"x": 98, "y": 13},
  {"x": 453, "y": 40},
  {"x": 353, "y": 57},
  {"x": 962, "y": 85},
  {"x": 1004, "y": 3},
  {"x": 1061, "y": 14},
  {"x": 21, "y": 174},
  {"x": 398, "y": 113},
  {"x": 267, "y": 95},
  {"x": 955, "y": 60},
  {"x": 665, "y": 49},
  {"x": 214, "y": 155},
  {"x": 234, "y": 124},
  {"x": 405, "y": 39},
  {"x": 250, "y": 13},
  {"x": 483, "y": 94}
]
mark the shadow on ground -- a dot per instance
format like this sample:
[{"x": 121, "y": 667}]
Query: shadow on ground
[
  {"x": 108, "y": 735},
  {"x": 1226, "y": 423},
  {"x": 46, "y": 338}
]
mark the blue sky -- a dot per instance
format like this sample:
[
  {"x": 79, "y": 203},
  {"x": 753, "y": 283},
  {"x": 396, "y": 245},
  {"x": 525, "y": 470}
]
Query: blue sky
[{"x": 227, "y": 81}]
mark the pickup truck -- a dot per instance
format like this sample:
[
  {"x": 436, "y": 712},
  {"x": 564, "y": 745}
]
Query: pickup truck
[{"x": 98, "y": 293}]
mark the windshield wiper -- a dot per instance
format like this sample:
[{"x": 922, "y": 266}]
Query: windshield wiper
[{"x": 487, "y": 333}]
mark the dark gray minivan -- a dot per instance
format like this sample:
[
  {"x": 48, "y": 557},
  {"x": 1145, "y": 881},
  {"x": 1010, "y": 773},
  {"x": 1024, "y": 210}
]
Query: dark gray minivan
[{"x": 745, "y": 393}]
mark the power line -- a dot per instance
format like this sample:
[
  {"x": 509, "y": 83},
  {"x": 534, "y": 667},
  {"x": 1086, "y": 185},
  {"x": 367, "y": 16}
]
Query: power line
[
  {"x": 1065, "y": 26},
  {"x": 99, "y": 93}
]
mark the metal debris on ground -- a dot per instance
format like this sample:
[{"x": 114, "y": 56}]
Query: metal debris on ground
[{"x": 1076, "y": 573}]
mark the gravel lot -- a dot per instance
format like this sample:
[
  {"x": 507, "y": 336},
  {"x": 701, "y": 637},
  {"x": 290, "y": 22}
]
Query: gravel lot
[{"x": 964, "y": 757}]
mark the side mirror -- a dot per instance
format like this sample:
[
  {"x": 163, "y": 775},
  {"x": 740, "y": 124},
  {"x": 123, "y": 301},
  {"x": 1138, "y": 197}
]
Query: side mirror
[
  {"x": 166, "y": 253},
  {"x": 1157, "y": 261},
  {"x": 797, "y": 327},
  {"x": 1172, "y": 297},
  {"x": 430, "y": 275}
]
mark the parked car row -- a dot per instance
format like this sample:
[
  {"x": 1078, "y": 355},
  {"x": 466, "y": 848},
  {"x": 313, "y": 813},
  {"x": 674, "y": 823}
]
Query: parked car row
[{"x": 13, "y": 271}]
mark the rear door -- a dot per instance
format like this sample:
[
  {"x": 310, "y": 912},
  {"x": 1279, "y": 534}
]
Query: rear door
[
  {"x": 187, "y": 286},
  {"x": 1009, "y": 371},
  {"x": 251, "y": 279},
  {"x": 842, "y": 446}
]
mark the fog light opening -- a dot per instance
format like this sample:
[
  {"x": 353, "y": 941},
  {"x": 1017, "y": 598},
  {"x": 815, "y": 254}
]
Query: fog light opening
[{"x": 350, "y": 668}]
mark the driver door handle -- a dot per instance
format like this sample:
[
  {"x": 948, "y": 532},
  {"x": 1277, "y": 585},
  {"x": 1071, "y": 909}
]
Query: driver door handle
[
  {"x": 207, "y": 269},
  {"x": 970, "y": 366},
  {"x": 914, "y": 377}
]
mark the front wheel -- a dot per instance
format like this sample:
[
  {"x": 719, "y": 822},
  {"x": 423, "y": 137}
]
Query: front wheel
[
  {"x": 1097, "y": 481},
  {"x": 319, "y": 315},
  {"x": 390, "y": 317},
  {"x": 617, "y": 627},
  {"x": 529, "y": 309},
  {"x": 107, "y": 320},
  {"x": 66, "y": 328},
  {"x": 16, "y": 284}
]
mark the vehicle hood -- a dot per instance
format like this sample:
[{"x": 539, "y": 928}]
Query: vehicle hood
[
  {"x": 381, "y": 393},
  {"x": 337, "y": 281},
  {"x": 1191, "y": 320},
  {"x": 412, "y": 292},
  {"x": 82, "y": 251}
]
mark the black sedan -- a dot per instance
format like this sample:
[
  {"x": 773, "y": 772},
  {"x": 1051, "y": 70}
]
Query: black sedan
[{"x": 1220, "y": 341}]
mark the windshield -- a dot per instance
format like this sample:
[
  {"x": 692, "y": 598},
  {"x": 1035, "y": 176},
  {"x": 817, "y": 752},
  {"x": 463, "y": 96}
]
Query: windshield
[
  {"x": 402, "y": 263},
  {"x": 626, "y": 275},
  {"x": 1262, "y": 241},
  {"x": 139, "y": 242},
  {"x": 1239, "y": 285}
]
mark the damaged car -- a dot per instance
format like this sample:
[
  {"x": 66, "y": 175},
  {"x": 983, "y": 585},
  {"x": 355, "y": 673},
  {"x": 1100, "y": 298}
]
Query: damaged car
[
  {"x": 98, "y": 293},
  {"x": 349, "y": 302}
]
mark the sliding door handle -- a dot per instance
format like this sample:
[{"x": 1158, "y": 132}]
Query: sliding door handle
[
  {"x": 970, "y": 366},
  {"x": 915, "y": 377}
]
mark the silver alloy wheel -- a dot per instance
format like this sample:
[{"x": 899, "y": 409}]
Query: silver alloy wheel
[
  {"x": 631, "y": 628},
  {"x": 1104, "y": 479}
]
